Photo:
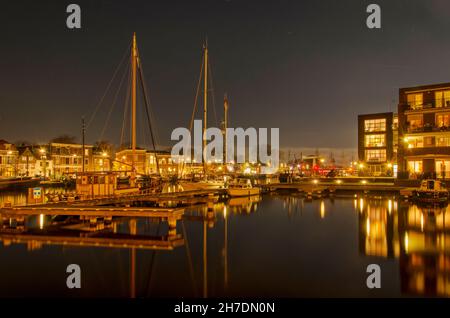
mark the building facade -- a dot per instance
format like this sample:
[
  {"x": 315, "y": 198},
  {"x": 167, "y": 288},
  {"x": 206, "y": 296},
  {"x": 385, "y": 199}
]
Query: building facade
[
  {"x": 377, "y": 144},
  {"x": 67, "y": 159},
  {"x": 424, "y": 131},
  {"x": 8, "y": 159}
]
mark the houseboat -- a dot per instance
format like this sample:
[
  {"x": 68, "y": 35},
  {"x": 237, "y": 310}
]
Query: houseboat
[{"x": 431, "y": 191}]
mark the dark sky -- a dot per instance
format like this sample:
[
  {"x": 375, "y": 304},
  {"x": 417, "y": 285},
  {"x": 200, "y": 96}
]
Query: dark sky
[{"x": 307, "y": 67}]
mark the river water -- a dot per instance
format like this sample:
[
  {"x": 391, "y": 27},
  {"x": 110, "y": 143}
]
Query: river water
[{"x": 274, "y": 246}]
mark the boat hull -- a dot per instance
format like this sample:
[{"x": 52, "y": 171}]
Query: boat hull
[
  {"x": 431, "y": 196},
  {"x": 243, "y": 192}
]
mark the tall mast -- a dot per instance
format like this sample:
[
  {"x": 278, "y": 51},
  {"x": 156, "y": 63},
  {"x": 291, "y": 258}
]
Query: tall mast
[
  {"x": 225, "y": 110},
  {"x": 133, "y": 101},
  {"x": 205, "y": 101}
]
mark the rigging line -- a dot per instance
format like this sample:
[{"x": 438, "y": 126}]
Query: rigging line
[
  {"x": 197, "y": 91},
  {"x": 107, "y": 87},
  {"x": 212, "y": 92},
  {"x": 125, "y": 111},
  {"x": 112, "y": 105},
  {"x": 144, "y": 91},
  {"x": 152, "y": 123}
]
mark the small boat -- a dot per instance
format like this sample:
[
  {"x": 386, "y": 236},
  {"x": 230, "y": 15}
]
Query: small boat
[
  {"x": 431, "y": 191},
  {"x": 242, "y": 188}
]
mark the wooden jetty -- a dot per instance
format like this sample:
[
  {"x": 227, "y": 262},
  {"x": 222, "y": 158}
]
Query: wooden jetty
[{"x": 125, "y": 241}]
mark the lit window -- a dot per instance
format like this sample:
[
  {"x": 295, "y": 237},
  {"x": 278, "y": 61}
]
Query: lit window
[
  {"x": 442, "y": 98},
  {"x": 375, "y": 125},
  {"x": 415, "y": 166},
  {"x": 376, "y": 140},
  {"x": 443, "y": 120},
  {"x": 376, "y": 155},
  {"x": 415, "y": 101}
]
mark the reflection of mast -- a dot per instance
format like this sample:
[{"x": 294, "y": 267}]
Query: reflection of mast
[
  {"x": 133, "y": 231},
  {"x": 225, "y": 247},
  {"x": 205, "y": 259}
]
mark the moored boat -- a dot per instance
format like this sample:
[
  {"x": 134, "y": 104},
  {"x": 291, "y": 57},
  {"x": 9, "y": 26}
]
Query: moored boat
[
  {"x": 431, "y": 191},
  {"x": 242, "y": 188}
]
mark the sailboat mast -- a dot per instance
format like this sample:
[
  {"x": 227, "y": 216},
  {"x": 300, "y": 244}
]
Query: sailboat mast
[
  {"x": 225, "y": 110},
  {"x": 205, "y": 100},
  {"x": 133, "y": 101}
]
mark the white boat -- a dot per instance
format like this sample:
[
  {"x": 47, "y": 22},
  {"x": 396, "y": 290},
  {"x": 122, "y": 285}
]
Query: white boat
[{"x": 242, "y": 188}]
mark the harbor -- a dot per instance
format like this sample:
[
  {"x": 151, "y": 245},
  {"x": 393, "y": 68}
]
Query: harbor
[{"x": 224, "y": 156}]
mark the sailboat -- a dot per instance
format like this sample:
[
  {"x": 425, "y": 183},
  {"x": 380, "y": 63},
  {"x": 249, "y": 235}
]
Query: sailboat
[
  {"x": 208, "y": 182},
  {"x": 106, "y": 183}
]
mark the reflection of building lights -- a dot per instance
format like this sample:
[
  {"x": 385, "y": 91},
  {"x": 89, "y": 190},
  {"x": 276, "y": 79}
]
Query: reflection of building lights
[
  {"x": 390, "y": 206},
  {"x": 361, "y": 204},
  {"x": 406, "y": 242},
  {"x": 322, "y": 209},
  {"x": 315, "y": 181},
  {"x": 421, "y": 222},
  {"x": 224, "y": 212},
  {"x": 364, "y": 182},
  {"x": 368, "y": 227},
  {"x": 338, "y": 181},
  {"x": 41, "y": 221},
  {"x": 355, "y": 203}
]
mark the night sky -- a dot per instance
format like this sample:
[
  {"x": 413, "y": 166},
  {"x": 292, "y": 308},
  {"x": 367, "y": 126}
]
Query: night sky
[{"x": 307, "y": 67}]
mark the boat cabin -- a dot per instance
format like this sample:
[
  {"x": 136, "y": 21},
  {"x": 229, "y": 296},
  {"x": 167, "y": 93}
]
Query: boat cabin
[{"x": 433, "y": 185}]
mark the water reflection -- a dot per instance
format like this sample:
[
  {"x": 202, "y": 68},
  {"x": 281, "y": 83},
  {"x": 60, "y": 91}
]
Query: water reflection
[
  {"x": 274, "y": 245},
  {"x": 418, "y": 236}
]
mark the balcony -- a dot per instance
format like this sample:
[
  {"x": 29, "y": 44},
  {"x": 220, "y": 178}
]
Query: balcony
[
  {"x": 444, "y": 104},
  {"x": 427, "y": 151},
  {"x": 427, "y": 128}
]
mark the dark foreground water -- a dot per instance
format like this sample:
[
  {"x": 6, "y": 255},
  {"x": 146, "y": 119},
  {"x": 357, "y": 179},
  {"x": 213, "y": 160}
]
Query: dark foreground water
[{"x": 280, "y": 246}]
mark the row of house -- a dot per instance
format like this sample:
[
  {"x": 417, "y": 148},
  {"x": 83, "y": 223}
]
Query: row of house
[
  {"x": 59, "y": 160},
  {"x": 412, "y": 143}
]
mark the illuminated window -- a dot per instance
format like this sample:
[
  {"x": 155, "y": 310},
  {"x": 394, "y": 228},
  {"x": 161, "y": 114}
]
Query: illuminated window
[
  {"x": 376, "y": 155},
  {"x": 415, "y": 166},
  {"x": 415, "y": 121},
  {"x": 415, "y": 101},
  {"x": 415, "y": 142},
  {"x": 442, "y": 98},
  {"x": 442, "y": 142},
  {"x": 375, "y": 125},
  {"x": 443, "y": 120},
  {"x": 376, "y": 140},
  {"x": 442, "y": 168}
]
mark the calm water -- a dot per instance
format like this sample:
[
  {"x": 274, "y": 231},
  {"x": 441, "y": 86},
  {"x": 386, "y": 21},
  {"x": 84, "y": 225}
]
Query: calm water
[{"x": 281, "y": 246}]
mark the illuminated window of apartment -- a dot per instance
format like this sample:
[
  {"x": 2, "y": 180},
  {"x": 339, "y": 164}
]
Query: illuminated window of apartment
[
  {"x": 375, "y": 125},
  {"x": 415, "y": 142},
  {"x": 376, "y": 155},
  {"x": 443, "y": 120},
  {"x": 415, "y": 121},
  {"x": 442, "y": 142},
  {"x": 428, "y": 142},
  {"x": 415, "y": 166},
  {"x": 442, "y": 167},
  {"x": 415, "y": 101},
  {"x": 378, "y": 140},
  {"x": 442, "y": 98}
]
